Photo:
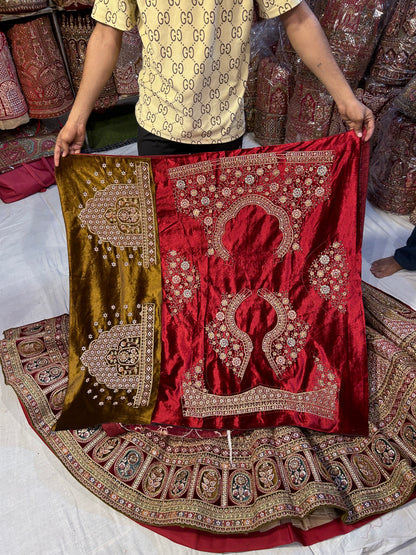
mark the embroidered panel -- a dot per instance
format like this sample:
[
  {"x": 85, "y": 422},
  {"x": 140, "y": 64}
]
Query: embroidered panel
[
  {"x": 240, "y": 483},
  {"x": 244, "y": 337},
  {"x": 115, "y": 283},
  {"x": 273, "y": 234}
]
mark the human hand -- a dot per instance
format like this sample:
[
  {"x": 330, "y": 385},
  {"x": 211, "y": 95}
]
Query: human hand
[
  {"x": 357, "y": 117},
  {"x": 69, "y": 141}
]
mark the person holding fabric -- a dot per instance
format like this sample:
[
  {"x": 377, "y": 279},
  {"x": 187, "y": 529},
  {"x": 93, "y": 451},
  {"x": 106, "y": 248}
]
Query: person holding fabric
[
  {"x": 195, "y": 67},
  {"x": 403, "y": 259}
]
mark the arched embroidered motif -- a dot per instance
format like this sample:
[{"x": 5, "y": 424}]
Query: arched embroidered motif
[
  {"x": 285, "y": 341},
  {"x": 269, "y": 207},
  {"x": 288, "y": 185},
  {"x": 122, "y": 358},
  {"x": 130, "y": 221},
  {"x": 233, "y": 345}
]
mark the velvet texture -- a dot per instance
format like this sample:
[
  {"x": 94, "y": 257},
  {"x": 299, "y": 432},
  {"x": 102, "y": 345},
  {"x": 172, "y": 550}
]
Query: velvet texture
[
  {"x": 40, "y": 68},
  {"x": 253, "y": 490},
  {"x": 262, "y": 314},
  {"x": 13, "y": 107},
  {"x": 262, "y": 317},
  {"x": 115, "y": 290}
]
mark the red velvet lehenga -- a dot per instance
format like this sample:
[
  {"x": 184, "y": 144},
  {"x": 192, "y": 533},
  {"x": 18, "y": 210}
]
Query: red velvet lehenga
[{"x": 238, "y": 403}]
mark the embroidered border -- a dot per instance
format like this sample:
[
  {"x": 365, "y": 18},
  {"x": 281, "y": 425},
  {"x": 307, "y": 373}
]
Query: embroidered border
[{"x": 201, "y": 404}]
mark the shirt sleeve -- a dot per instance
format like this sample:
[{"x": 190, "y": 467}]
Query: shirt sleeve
[
  {"x": 273, "y": 8},
  {"x": 120, "y": 14}
]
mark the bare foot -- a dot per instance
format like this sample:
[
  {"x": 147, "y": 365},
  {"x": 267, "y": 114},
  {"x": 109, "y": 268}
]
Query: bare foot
[{"x": 385, "y": 267}]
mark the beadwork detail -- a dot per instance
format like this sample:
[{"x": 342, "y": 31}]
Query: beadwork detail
[
  {"x": 181, "y": 281},
  {"x": 123, "y": 357},
  {"x": 285, "y": 341},
  {"x": 287, "y": 186},
  {"x": 328, "y": 275},
  {"x": 130, "y": 221},
  {"x": 198, "y": 402},
  {"x": 233, "y": 346}
]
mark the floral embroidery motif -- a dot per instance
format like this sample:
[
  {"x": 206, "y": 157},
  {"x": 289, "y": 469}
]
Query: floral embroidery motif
[
  {"x": 267, "y": 476},
  {"x": 298, "y": 471},
  {"x": 368, "y": 471},
  {"x": 130, "y": 221},
  {"x": 209, "y": 484},
  {"x": 338, "y": 474},
  {"x": 180, "y": 483},
  {"x": 241, "y": 489},
  {"x": 122, "y": 358},
  {"x": 128, "y": 465},
  {"x": 287, "y": 186},
  {"x": 285, "y": 341},
  {"x": 31, "y": 347},
  {"x": 233, "y": 345},
  {"x": 181, "y": 281},
  {"x": 385, "y": 452},
  {"x": 328, "y": 275},
  {"x": 198, "y": 402},
  {"x": 154, "y": 479}
]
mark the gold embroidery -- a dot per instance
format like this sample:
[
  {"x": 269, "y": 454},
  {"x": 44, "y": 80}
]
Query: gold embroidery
[
  {"x": 285, "y": 341},
  {"x": 233, "y": 345},
  {"x": 122, "y": 358},
  {"x": 328, "y": 275},
  {"x": 201, "y": 404},
  {"x": 284, "y": 185},
  {"x": 130, "y": 221}
]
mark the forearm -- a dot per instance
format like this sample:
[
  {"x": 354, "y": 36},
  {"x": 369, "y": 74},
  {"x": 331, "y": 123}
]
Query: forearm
[
  {"x": 101, "y": 56},
  {"x": 308, "y": 39}
]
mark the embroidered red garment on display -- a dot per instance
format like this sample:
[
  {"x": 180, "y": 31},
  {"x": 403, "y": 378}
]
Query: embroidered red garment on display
[
  {"x": 262, "y": 315},
  {"x": 251, "y": 490},
  {"x": 76, "y": 30},
  {"x": 13, "y": 107},
  {"x": 262, "y": 319},
  {"x": 40, "y": 68}
]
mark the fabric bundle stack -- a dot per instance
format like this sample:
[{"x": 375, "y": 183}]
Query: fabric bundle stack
[
  {"x": 352, "y": 29},
  {"x": 16, "y": 7},
  {"x": 76, "y": 30},
  {"x": 13, "y": 107},
  {"x": 272, "y": 102},
  {"x": 40, "y": 68},
  {"x": 392, "y": 178}
]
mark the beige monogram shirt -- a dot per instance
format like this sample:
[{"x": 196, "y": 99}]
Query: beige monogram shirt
[{"x": 195, "y": 63}]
